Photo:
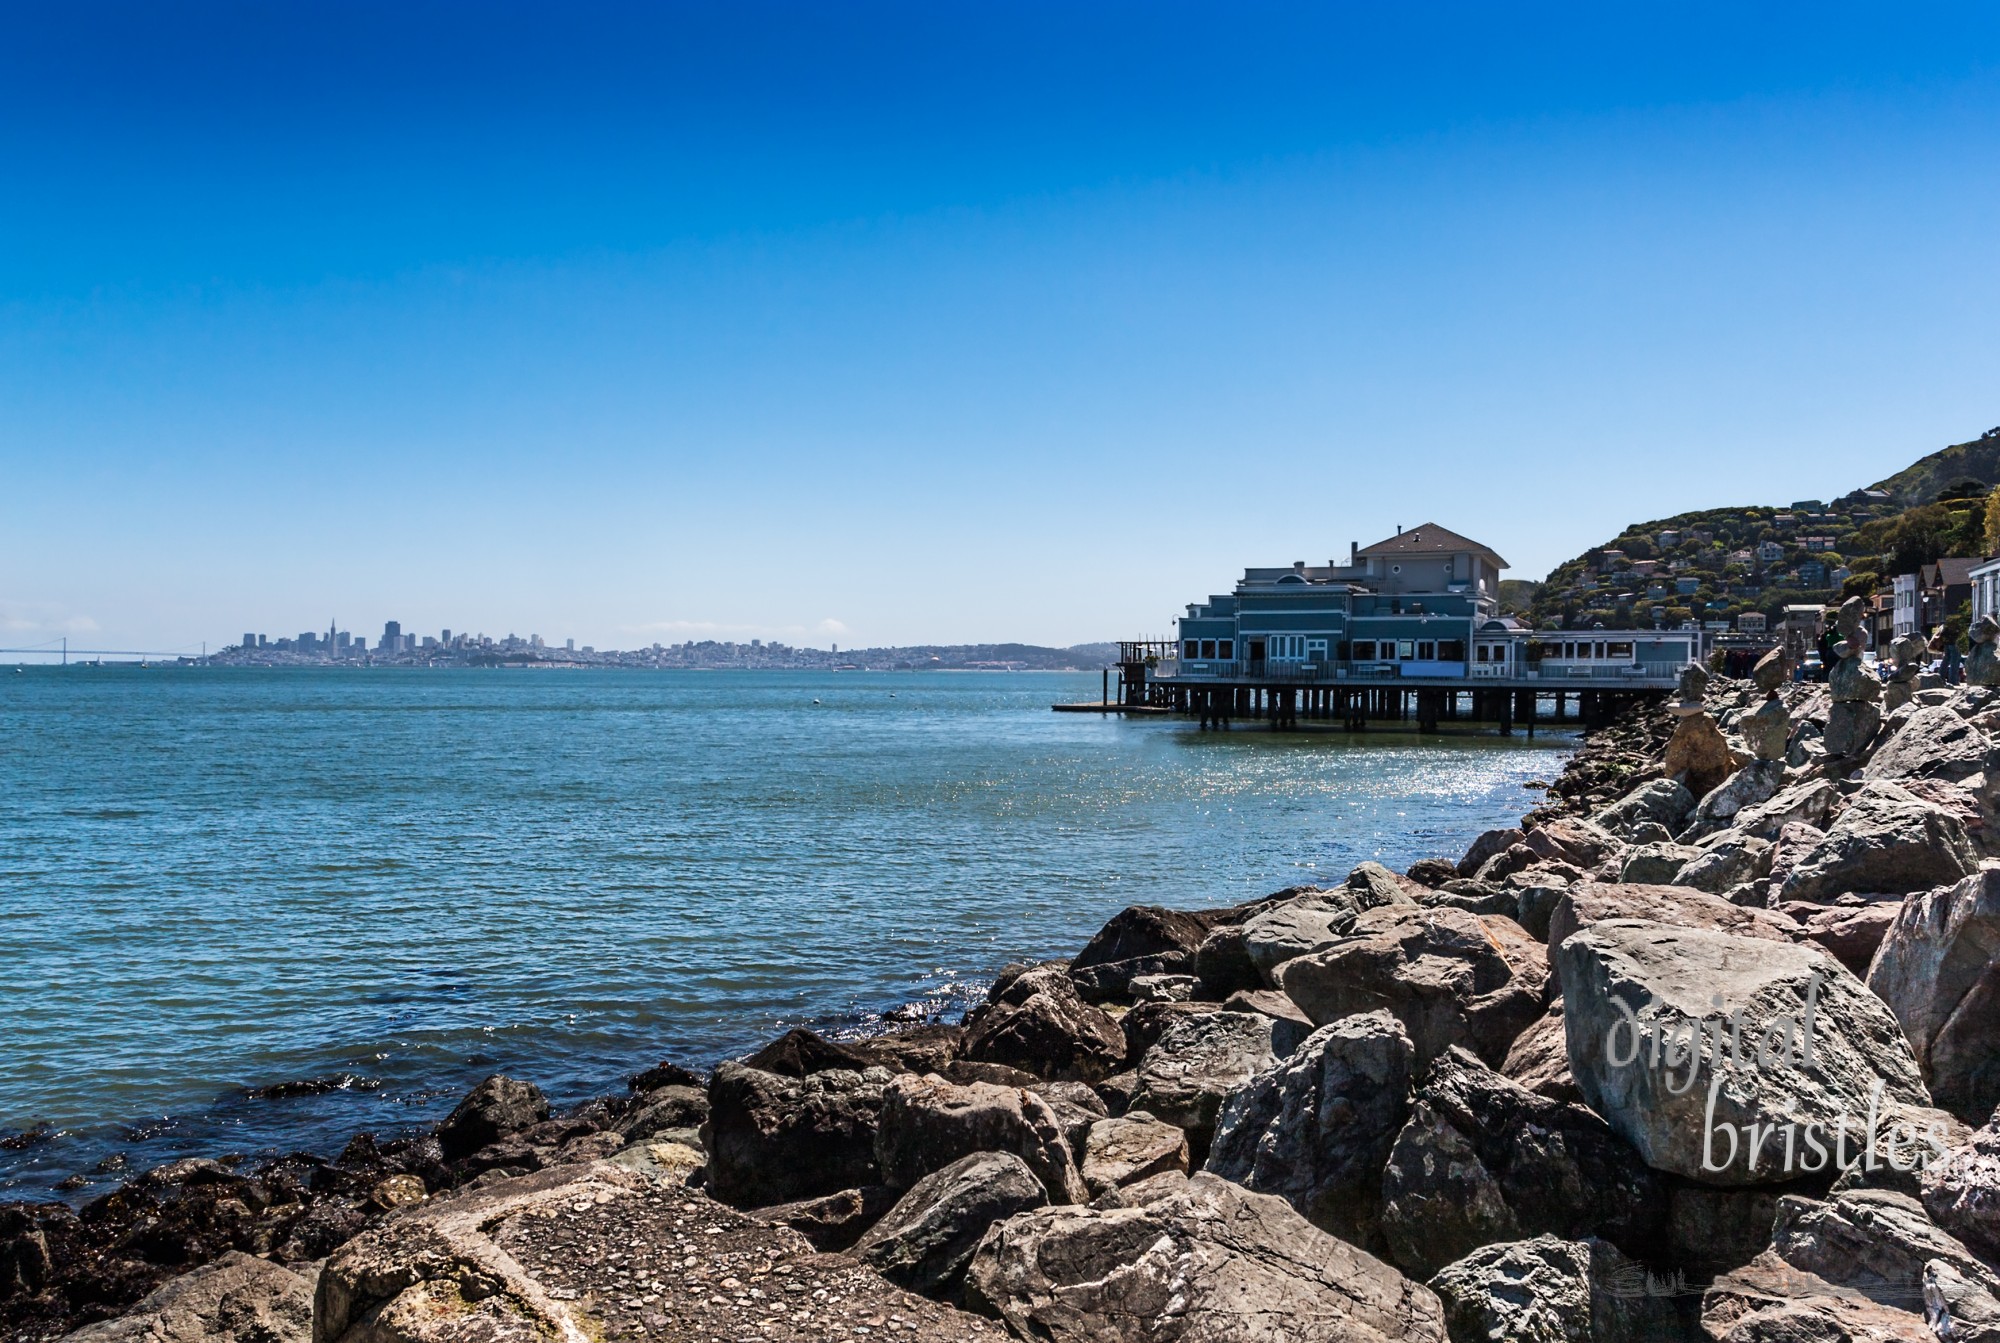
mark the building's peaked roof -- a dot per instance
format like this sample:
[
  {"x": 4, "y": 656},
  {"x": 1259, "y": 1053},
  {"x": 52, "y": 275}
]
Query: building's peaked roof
[
  {"x": 1953, "y": 571},
  {"x": 1431, "y": 539}
]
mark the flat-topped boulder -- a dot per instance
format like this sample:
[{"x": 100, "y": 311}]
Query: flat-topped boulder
[
  {"x": 1450, "y": 977},
  {"x": 776, "y": 1139},
  {"x": 578, "y": 1254},
  {"x": 1591, "y": 903},
  {"x": 1311, "y": 922},
  {"x": 1208, "y": 1263},
  {"x": 1721, "y": 1105},
  {"x": 927, "y": 1123},
  {"x": 1140, "y": 940},
  {"x": 927, "y": 1239},
  {"x": 235, "y": 1299},
  {"x": 1188, "y": 1073}
]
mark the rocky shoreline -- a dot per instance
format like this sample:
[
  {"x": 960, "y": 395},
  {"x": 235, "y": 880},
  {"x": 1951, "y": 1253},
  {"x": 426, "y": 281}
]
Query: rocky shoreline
[{"x": 1708, "y": 1048}]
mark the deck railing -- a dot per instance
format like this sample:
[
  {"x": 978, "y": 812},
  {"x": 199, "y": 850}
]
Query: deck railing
[{"x": 1274, "y": 673}]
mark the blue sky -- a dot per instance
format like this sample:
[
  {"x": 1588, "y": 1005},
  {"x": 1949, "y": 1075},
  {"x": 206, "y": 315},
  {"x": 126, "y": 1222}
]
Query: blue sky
[{"x": 907, "y": 323}]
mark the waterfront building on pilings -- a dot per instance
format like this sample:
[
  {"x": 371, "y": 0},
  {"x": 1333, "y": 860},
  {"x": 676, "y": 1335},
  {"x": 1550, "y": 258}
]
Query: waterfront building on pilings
[{"x": 1409, "y": 629}]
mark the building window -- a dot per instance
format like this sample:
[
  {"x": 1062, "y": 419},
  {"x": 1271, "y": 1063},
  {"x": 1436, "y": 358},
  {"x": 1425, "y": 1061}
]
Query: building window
[
  {"x": 1427, "y": 650},
  {"x": 1451, "y": 650},
  {"x": 1208, "y": 648},
  {"x": 1406, "y": 649},
  {"x": 1618, "y": 650},
  {"x": 1226, "y": 649},
  {"x": 1191, "y": 649},
  {"x": 1484, "y": 652},
  {"x": 1364, "y": 650},
  {"x": 1315, "y": 650}
]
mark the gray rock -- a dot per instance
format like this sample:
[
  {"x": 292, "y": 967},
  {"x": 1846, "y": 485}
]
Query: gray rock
[
  {"x": 1939, "y": 971},
  {"x": 773, "y": 1139},
  {"x": 1210, "y": 1263},
  {"x": 1125, "y": 1151},
  {"x": 1316, "y": 1129},
  {"x": 662, "y": 1109},
  {"x": 1374, "y": 886},
  {"x": 927, "y": 1123},
  {"x": 1147, "y": 1022},
  {"x": 1139, "y": 940},
  {"x": 1575, "y": 842},
  {"x": 1162, "y": 988},
  {"x": 1551, "y": 1290},
  {"x": 1852, "y": 934},
  {"x": 1485, "y": 847},
  {"x": 1958, "y": 1307},
  {"x": 1185, "y": 1077},
  {"x": 1757, "y": 782},
  {"x": 1767, "y": 731},
  {"x": 1222, "y": 963},
  {"x": 1889, "y": 840},
  {"x": 1656, "y": 864},
  {"x": 1289, "y": 1026},
  {"x": 1664, "y": 802},
  {"x": 497, "y": 1108},
  {"x": 1306, "y": 924},
  {"x": 1450, "y": 977},
  {"x": 1961, "y": 1190},
  {"x": 1850, "y": 726},
  {"x": 1657, "y": 981},
  {"x": 1872, "y": 1240},
  {"x": 1038, "y": 1022},
  {"x": 1810, "y": 803},
  {"x": 235, "y": 1299},
  {"x": 927, "y": 1239},
  {"x": 1729, "y": 859},
  {"x": 1935, "y": 744},
  {"x": 1483, "y": 1160}
]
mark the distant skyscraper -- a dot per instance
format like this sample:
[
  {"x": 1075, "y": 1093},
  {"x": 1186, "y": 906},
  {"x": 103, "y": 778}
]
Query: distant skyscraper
[
  {"x": 249, "y": 641},
  {"x": 392, "y": 635},
  {"x": 446, "y": 639}
]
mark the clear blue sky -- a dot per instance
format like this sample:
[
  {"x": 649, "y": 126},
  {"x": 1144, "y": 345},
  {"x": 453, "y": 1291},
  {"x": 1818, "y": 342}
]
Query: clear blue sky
[{"x": 943, "y": 322}]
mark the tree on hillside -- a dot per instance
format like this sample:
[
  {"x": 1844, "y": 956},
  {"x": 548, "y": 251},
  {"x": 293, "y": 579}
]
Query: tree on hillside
[{"x": 1992, "y": 523}]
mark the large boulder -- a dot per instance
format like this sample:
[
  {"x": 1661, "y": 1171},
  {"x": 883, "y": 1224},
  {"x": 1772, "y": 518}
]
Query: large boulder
[
  {"x": 1551, "y": 1290},
  {"x": 1483, "y": 1160},
  {"x": 1486, "y": 846},
  {"x": 927, "y": 1239},
  {"x": 1875, "y": 1241},
  {"x": 1961, "y": 1190},
  {"x": 1036, "y": 1020},
  {"x": 1139, "y": 940},
  {"x": 800, "y": 1053},
  {"x": 1729, "y": 860},
  {"x": 1850, "y": 726},
  {"x": 1939, "y": 970},
  {"x": 1310, "y": 922},
  {"x": 1135, "y": 1147},
  {"x": 1451, "y": 978},
  {"x": 1807, "y": 803},
  {"x": 1665, "y": 802},
  {"x": 1591, "y": 903},
  {"x": 1936, "y": 743},
  {"x": 1758, "y": 781},
  {"x": 832, "y": 1222},
  {"x": 234, "y": 1299},
  {"x": 1629, "y": 983},
  {"x": 1770, "y": 1301},
  {"x": 1570, "y": 840},
  {"x": 1188, "y": 1073},
  {"x": 1316, "y": 1129},
  {"x": 1208, "y": 1263},
  {"x": 497, "y": 1108},
  {"x": 1886, "y": 840},
  {"x": 1222, "y": 963},
  {"x": 1656, "y": 864},
  {"x": 776, "y": 1139},
  {"x": 1697, "y": 754},
  {"x": 1853, "y": 933},
  {"x": 927, "y": 1123}
]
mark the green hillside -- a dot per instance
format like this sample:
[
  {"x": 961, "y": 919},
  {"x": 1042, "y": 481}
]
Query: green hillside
[{"x": 1718, "y": 563}]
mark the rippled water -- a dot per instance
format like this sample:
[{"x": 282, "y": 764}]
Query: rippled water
[{"x": 213, "y": 880}]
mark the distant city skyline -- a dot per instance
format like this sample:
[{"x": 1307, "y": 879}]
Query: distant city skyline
[{"x": 889, "y": 323}]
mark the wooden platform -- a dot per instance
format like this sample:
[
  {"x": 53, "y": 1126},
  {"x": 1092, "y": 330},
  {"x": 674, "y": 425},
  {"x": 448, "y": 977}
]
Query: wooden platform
[{"x": 1112, "y": 706}]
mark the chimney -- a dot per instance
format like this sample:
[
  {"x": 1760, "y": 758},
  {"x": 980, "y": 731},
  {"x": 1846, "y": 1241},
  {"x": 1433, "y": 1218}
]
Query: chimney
[
  {"x": 1298, "y": 566},
  {"x": 1399, "y": 529},
  {"x": 1354, "y": 554}
]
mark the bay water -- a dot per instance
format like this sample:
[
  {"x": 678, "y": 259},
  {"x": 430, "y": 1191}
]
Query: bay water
[{"x": 392, "y": 883}]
